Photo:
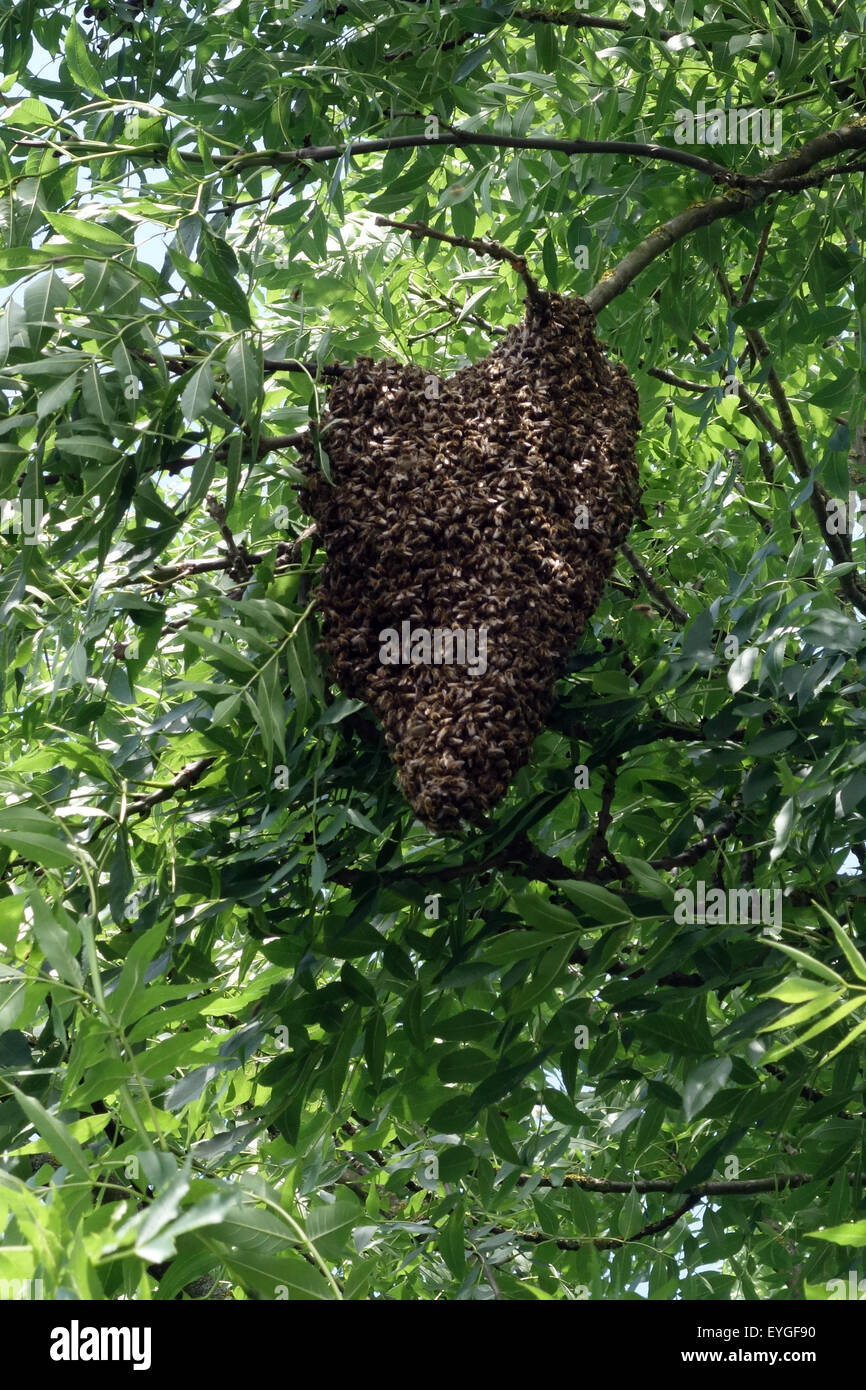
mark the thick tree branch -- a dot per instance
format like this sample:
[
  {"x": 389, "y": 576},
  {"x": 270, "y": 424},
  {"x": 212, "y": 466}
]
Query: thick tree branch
[
  {"x": 615, "y": 281},
  {"x": 661, "y": 374},
  {"x": 744, "y": 190},
  {"x": 268, "y": 444},
  {"x": 851, "y": 136}
]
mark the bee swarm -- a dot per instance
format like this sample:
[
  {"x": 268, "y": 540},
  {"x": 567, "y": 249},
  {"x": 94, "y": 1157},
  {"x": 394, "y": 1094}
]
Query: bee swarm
[{"x": 459, "y": 511}]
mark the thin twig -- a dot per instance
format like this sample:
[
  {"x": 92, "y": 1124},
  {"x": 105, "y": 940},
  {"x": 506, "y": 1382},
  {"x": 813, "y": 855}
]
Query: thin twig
[
  {"x": 325, "y": 154},
  {"x": 598, "y": 848},
  {"x": 185, "y": 779},
  {"x": 700, "y": 847},
  {"x": 483, "y": 247},
  {"x": 653, "y": 587},
  {"x": 758, "y": 262},
  {"x": 734, "y": 1187}
]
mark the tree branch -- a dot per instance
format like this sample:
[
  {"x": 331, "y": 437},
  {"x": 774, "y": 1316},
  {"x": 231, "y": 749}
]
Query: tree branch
[
  {"x": 598, "y": 846},
  {"x": 736, "y": 1187},
  {"x": 653, "y": 587},
  {"x": 700, "y": 847},
  {"x": 569, "y": 19},
  {"x": 680, "y": 382},
  {"x": 483, "y": 247},
  {"x": 660, "y": 240},
  {"x": 605, "y": 1242},
  {"x": 851, "y": 136},
  {"x": 324, "y": 154},
  {"x": 790, "y": 440},
  {"x": 185, "y": 779},
  {"x": 753, "y": 274}
]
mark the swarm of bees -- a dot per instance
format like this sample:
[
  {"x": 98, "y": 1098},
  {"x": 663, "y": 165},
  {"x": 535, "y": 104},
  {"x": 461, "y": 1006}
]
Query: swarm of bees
[{"x": 494, "y": 499}]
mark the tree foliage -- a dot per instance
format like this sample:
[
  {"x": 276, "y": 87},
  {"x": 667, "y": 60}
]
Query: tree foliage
[{"x": 261, "y": 1033}]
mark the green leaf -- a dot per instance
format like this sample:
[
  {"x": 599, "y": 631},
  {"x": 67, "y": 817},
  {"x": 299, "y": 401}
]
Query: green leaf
[
  {"x": 703, "y": 1083},
  {"x": 829, "y": 1021},
  {"x": 245, "y": 374},
  {"x": 131, "y": 980},
  {"x": 275, "y": 1276},
  {"x": 79, "y": 61},
  {"x": 844, "y": 942},
  {"x": 58, "y": 944},
  {"x": 56, "y": 1135},
  {"x": 451, "y": 1243},
  {"x": 375, "y": 1034},
  {"x": 26, "y": 257},
  {"x": 813, "y": 1006},
  {"x": 536, "y": 911},
  {"x": 196, "y": 395},
  {"x": 845, "y": 1043},
  {"x": 298, "y": 684},
  {"x": 91, "y": 233},
  {"x": 742, "y": 668},
  {"x": 330, "y": 1226},
  {"x": 794, "y": 990},
  {"x": 807, "y": 962},
  {"x": 547, "y": 970},
  {"x": 668, "y": 1031},
  {"x": 41, "y": 297},
  {"x": 56, "y": 397},
  {"x": 550, "y": 262},
  {"x": 631, "y": 1217},
  {"x": 46, "y": 850},
  {"x": 853, "y": 1233},
  {"x": 595, "y": 901}
]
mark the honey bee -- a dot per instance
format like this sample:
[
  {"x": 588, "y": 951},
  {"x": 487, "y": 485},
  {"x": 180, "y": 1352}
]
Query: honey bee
[{"x": 455, "y": 508}]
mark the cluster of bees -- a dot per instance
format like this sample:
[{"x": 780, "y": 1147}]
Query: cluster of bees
[{"x": 498, "y": 499}]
